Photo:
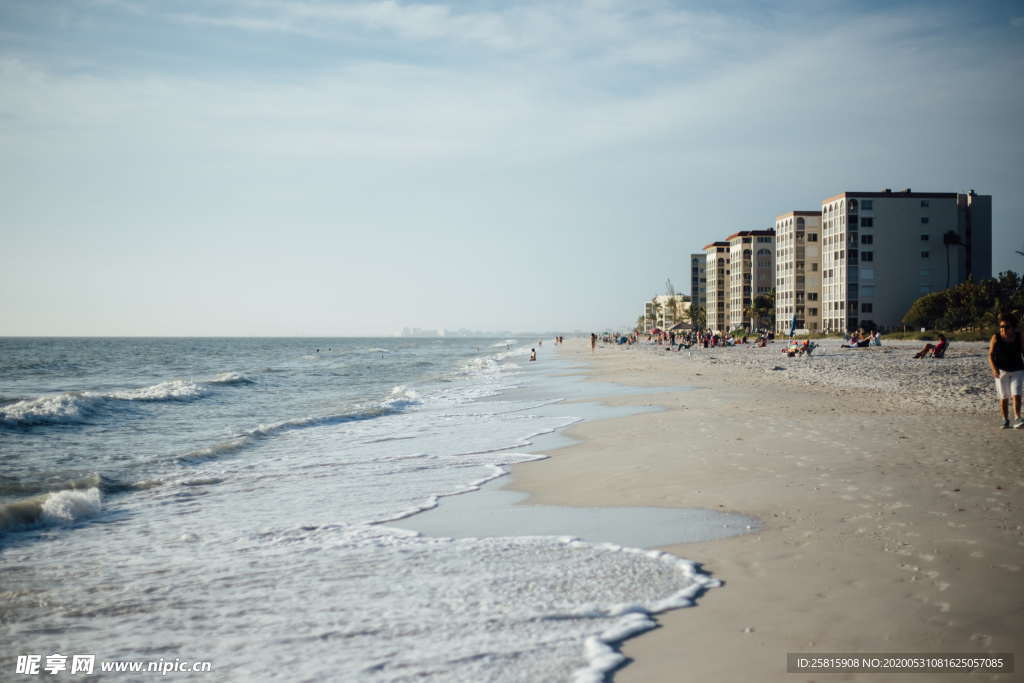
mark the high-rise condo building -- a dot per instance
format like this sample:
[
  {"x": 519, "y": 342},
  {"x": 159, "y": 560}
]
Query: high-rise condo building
[
  {"x": 798, "y": 271},
  {"x": 698, "y": 280},
  {"x": 883, "y": 250},
  {"x": 717, "y": 286},
  {"x": 751, "y": 272}
]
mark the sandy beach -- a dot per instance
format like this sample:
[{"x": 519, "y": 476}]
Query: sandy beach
[{"x": 890, "y": 503}]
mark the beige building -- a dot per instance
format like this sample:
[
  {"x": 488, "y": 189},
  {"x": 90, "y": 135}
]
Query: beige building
[
  {"x": 716, "y": 272},
  {"x": 664, "y": 311},
  {"x": 751, "y": 272},
  {"x": 883, "y": 250},
  {"x": 798, "y": 271}
]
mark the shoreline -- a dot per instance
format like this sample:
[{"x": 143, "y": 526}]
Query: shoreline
[{"x": 888, "y": 524}]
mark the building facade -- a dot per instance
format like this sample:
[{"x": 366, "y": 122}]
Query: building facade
[
  {"x": 716, "y": 272},
  {"x": 664, "y": 311},
  {"x": 698, "y": 280},
  {"x": 883, "y": 250},
  {"x": 798, "y": 271},
  {"x": 751, "y": 272}
]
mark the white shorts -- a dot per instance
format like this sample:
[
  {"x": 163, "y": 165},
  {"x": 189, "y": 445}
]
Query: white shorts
[{"x": 1009, "y": 383}]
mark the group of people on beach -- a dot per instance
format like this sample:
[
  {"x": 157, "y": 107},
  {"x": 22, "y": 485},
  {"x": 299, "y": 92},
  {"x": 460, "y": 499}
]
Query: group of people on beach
[
  {"x": 1005, "y": 356},
  {"x": 862, "y": 339}
]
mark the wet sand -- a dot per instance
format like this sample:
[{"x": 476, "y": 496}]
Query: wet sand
[{"x": 889, "y": 523}]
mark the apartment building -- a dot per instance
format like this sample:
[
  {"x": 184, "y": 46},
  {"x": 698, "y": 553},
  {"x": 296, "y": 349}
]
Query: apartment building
[
  {"x": 698, "y": 279},
  {"x": 798, "y": 271},
  {"x": 664, "y": 311},
  {"x": 716, "y": 289},
  {"x": 751, "y": 272},
  {"x": 883, "y": 250}
]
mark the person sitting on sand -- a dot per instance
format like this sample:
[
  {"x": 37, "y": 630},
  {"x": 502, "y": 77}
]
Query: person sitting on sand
[
  {"x": 934, "y": 350},
  {"x": 876, "y": 338},
  {"x": 856, "y": 342}
]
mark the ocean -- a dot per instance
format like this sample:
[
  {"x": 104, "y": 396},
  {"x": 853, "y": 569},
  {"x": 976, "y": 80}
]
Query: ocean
[{"x": 240, "y": 502}]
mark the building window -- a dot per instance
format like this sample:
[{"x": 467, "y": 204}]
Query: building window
[
  {"x": 814, "y": 267},
  {"x": 867, "y": 239},
  {"x": 925, "y": 254},
  {"x": 867, "y": 273},
  {"x": 813, "y": 311},
  {"x": 867, "y": 256},
  {"x": 924, "y": 202},
  {"x": 812, "y": 296},
  {"x": 866, "y": 308},
  {"x": 867, "y": 222},
  {"x": 924, "y": 273},
  {"x": 867, "y": 290},
  {"x": 924, "y": 219},
  {"x": 925, "y": 237},
  {"x": 924, "y": 289},
  {"x": 812, "y": 237},
  {"x": 867, "y": 204}
]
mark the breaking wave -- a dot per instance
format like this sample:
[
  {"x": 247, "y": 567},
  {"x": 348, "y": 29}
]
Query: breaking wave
[
  {"x": 73, "y": 407},
  {"x": 400, "y": 399},
  {"x": 57, "y": 508}
]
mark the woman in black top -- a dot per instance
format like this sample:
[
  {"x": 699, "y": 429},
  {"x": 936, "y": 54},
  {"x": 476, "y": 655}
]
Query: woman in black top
[{"x": 1006, "y": 357}]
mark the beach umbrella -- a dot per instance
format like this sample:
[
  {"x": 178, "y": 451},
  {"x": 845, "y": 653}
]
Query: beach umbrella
[{"x": 792, "y": 325}]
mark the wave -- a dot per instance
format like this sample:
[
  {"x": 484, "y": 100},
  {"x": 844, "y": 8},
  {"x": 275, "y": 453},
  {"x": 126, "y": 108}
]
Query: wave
[
  {"x": 10, "y": 486},
  {"x": 73, "y": 407},
  {"x": 230, "y": 378},
  {"x": 57, "y": 508},
  {"x": 400, "y": 399}
]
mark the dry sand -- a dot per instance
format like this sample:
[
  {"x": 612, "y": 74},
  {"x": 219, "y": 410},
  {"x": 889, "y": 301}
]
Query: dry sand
[{"x": 891, "y": 504}]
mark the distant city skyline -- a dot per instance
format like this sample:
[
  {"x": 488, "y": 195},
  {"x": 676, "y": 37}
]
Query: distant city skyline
[{"x": 352, "y": 168}]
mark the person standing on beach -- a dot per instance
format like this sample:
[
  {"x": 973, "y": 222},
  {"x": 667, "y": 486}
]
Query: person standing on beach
[
  {"x": 593, "y": 341},
  {"x": 1006, "y": 357}
]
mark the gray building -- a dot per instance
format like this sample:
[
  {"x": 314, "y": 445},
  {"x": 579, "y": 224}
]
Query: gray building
[
  {"x": 698, "y": 280},
  {"x": 883, "y": 250}
]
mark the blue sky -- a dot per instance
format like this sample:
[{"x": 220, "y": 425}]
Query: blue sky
[{"x": 330, "y": 168}]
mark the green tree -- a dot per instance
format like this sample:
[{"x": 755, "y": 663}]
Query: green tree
[
  {"x": 698, "y": 317},
  {"x": 969, "y": 305},
  {"x": 762, "y": 310}
]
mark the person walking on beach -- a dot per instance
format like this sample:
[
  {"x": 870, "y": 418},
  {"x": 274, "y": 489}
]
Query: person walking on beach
[{"x": 1006, "y": 358}]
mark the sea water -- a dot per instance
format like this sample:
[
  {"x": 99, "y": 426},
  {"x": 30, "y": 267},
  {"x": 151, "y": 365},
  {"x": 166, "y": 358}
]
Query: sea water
[{"x": 240, "y": 501}]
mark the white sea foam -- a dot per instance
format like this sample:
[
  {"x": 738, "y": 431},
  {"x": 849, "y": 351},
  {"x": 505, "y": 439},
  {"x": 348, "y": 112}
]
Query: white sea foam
[
  {"x": 68, "y": 507},
  {"x": 303, "y": 508},
  {"x": 61, "y": 508},
  {"x": 230, "y": 378},
  {"x": 78, "y": 406},
  {"x": 173, "y": 390},
  {"x": 68, "y": 407},
  {"x": 401, "y": 397}
]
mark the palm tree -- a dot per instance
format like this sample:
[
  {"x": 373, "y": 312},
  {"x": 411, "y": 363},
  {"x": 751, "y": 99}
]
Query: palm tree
[
  {"x": 698, "y": 317},
  {"x": 762, "y": 308}
]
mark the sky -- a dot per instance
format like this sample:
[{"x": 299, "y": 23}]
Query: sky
[{"x": 303, "y": 167}]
